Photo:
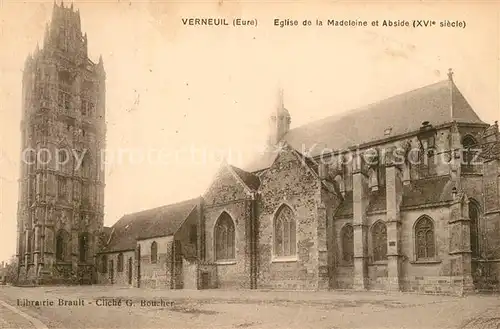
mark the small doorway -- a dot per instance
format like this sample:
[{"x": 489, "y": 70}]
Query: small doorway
[{"x": 130, "y": 268}]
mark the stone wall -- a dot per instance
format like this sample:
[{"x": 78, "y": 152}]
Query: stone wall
[
  {"x": 227, "y": 194},
  {"x": 118, "y": 277},
  {"x": 343, "y": 271},
  {"x": 289, "y": 182},
  {"x": 159, "y": 274}
]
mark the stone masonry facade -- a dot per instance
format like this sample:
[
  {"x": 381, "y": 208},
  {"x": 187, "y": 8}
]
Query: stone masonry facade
[
  {"x": 401, "y": 195},
  {"x": 61, "y": 188},
  {"x": 358, "y": 218}
]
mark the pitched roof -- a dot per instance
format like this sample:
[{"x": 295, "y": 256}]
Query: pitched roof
[
  {"x": 428, "y": 191},
  {"x": 397, "y": 115},
  {"x": 420, "y": 192},
  {"x": 160, "y": 221},
  {"x": 250, "y": 180}
]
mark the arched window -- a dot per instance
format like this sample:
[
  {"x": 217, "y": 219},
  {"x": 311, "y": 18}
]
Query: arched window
[
  {"x": 474, "y": 216},
  {"x": 468, "y": 144},
  {"x": 284, "y": 232},
  {"x": 119, "y": 263},
  {"x": 61, "y": 243},
  {"x": 379, "y": 241},
  {"x": 154, "y": 252},
  {"x": 83, "y": 246},
  {"x": 224, "y": 238},
  {"x": 86, "y": 165},
  {"x": 424, "y": 238},
  {"x": 347, "y": 236}
]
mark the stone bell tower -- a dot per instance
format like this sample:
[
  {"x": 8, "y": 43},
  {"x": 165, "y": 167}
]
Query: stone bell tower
[
  {"x": 61, "y": 186},
  {"x": 279, "y": 121}
]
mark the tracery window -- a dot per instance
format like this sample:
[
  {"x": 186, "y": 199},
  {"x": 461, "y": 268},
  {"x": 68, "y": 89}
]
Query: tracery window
[
  {"x": 379, "y": 241},
  {"x": 284, "y": 233},
  {"x": 474, "y": 215},
  {"x": 224, "y": 238},
  {"x": 154, "y": 252},
  {"x": 424, "y": 238},
  {"x": 119, "y": 263},
  {"x": 347, "y": 238}
]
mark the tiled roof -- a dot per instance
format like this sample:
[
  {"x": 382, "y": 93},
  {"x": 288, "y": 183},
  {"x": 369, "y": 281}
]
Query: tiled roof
[
  {"x": 160, "y": 221},
  {"x": 419, "y": 192},
  {"x": 428, "y": 191},
  {"x": 250, "y": 180},
  {"x": 399, "y": 114}
]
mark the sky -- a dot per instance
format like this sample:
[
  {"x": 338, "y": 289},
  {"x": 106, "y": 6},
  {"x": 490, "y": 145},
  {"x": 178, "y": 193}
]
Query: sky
[{"x": 202, "y": 94}]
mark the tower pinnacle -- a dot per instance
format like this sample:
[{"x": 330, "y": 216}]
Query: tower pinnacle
[
  {"x": 450, "y": 74},
  {"x": 279, "y": 122}
]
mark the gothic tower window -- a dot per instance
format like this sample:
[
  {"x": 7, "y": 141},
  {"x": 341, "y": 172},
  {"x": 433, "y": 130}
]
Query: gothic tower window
[
  {"x": 474, "y": 216},
  {"x": 347, "y": 238},
  {"x": 86, "y": 165},
  {"x": 424, "y": 238},
  {"x": 379, "y": 241},
  {"x": 224, "y": 238},
  {"x": 119, "y": 263},
  {"x": 61, "y": 243},
  {"x": 62, "y": 156},
  {"x": 154, "y": 252},
  {"x": 284, "y": 233},
  {"x": 83, "y": 246},
  {"x": 85, "y": 193},
  {"x": 468, "y": 144},
  {"x": 61, "y": 188}
]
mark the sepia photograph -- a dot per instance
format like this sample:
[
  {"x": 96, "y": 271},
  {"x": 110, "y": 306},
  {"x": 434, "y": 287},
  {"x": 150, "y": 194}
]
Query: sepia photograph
[{"x": 242, "y": 164}]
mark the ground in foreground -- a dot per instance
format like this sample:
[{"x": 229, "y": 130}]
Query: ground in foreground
[{"x": 97, "y": 307}]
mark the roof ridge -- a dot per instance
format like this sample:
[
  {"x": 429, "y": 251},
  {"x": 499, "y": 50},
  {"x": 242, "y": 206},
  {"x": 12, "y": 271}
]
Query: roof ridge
[
  {"x": 160, "y": 207},
  {"x": 368, "y": 106}
]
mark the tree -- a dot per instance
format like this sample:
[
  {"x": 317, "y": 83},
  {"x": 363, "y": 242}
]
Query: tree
[{"x": 11, "y": 270}]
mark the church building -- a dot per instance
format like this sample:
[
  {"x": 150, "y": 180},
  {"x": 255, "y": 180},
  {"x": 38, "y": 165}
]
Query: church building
[{"x": 400, "y": 195}]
